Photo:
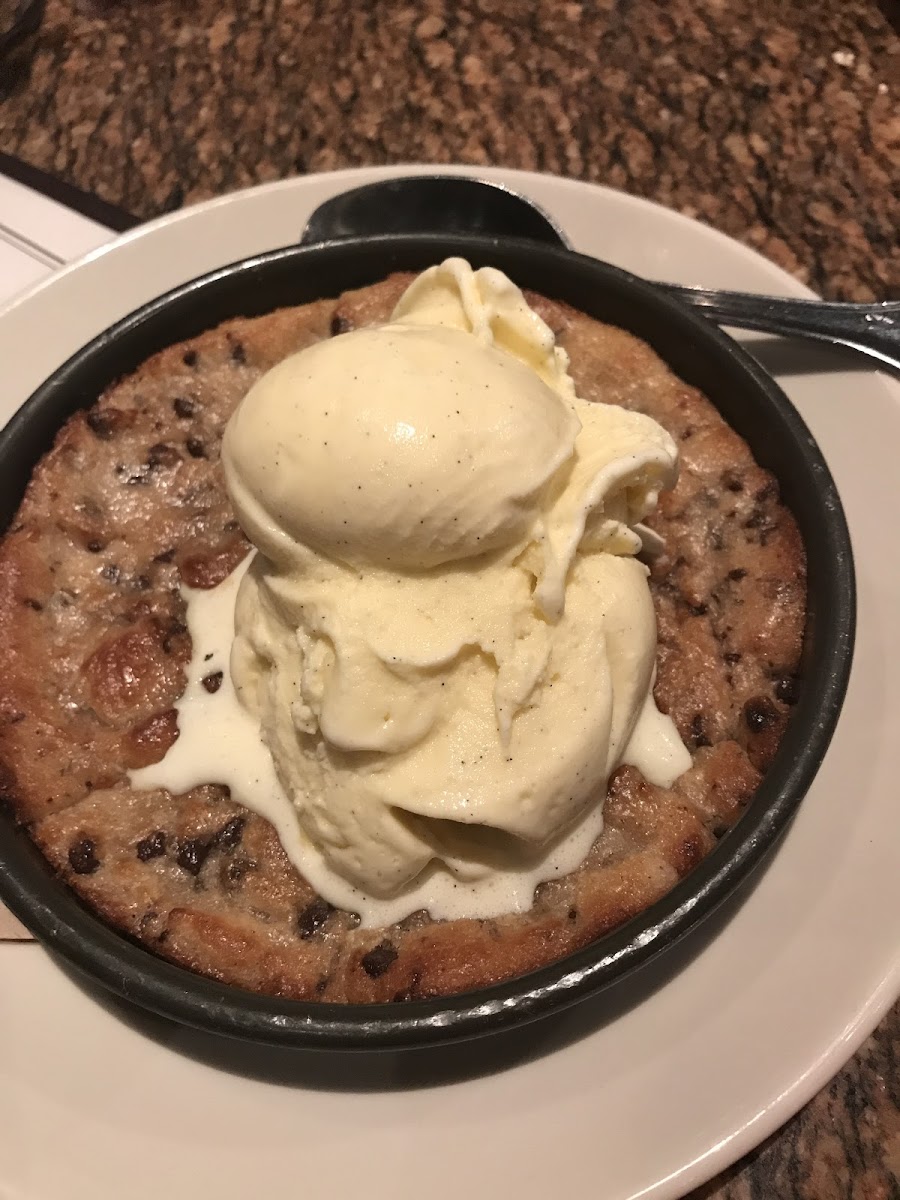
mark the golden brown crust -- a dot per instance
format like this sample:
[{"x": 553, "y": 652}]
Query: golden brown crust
[{"x": 93, "y": 648}]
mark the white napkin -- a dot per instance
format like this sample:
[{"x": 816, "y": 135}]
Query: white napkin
[{"x": 12, "y": 930}]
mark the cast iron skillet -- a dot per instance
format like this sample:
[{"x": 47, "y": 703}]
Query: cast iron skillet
[{"x": 749, "y": 400}]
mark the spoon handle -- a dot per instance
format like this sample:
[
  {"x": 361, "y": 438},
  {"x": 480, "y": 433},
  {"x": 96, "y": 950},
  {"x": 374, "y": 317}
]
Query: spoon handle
[{"x": 873, "y": 329}]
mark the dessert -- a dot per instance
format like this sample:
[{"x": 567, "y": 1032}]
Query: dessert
[
  {"x": 445, "y": 643},
  {"x": 130, "y": 504}
]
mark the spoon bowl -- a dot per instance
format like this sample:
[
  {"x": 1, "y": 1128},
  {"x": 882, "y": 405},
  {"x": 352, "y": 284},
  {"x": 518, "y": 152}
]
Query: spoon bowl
[{"x": 458, "y": 204}]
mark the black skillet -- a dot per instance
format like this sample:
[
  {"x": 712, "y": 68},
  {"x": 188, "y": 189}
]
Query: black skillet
[{"x": 522, "y": 243}]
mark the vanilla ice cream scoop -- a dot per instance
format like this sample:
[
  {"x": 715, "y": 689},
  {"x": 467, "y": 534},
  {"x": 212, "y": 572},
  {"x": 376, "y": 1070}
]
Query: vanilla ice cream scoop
[
  {"x": 446, "y": 637},
  {"x": 407, "y": 445}
]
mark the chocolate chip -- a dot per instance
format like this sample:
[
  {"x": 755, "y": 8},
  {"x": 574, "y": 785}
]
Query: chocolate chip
[
  {"x": 94, "y": 546},
  {"x": 732, "y": 481},
  {"x": 192, "y": 854},
  {"x": 698, "y": 610},
  {"x": 737, "y": 574},
  {"x": 137, "y": 477},
  {"x": 35, "y": 604},
  {"x": 111, "y": 573},
  {"x": 184, "y": 408},
  {"x": 142, "y": 583},
  {"x": 231, "y": 833},
  {"x": 757, "y": 519},
  {"x": 415, "y": 920},
  {"x": 195, "y": 448},
  {"x": 165, "y": 557},
  {"x": 212, "y": 682},
  {"x": 83, "y": 858},
  {"x": 102, "y": 425},
  {"x": 313, "y": 917},
  {"x": 379, "y": 958},
  {"x": 340, "y": 325},
  {"x": 787, "y": 689},
  {"x": 147, "y": 920},
  {"x": 698, "y": 731},
  {"x": 162, "y": 455},
  {"x": 760, "y": 713},
  {"x": 572, "y": 914},
  {"x": 237, "y": 868},
  {"x": 732, "y": 657},
  {"x": 176, "y": 630},
  {"x": 238, "y": 353},
  {"x": 152, "y": 846},
  {"x": 89, "y": 508},
  {"x": 189, "y": 358}
]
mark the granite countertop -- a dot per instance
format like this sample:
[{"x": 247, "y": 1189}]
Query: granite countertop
[{"x": 776, "y": 122}]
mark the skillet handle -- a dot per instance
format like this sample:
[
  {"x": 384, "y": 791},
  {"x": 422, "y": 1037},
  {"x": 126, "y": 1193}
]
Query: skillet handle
[{"x": 430, "y": 204}]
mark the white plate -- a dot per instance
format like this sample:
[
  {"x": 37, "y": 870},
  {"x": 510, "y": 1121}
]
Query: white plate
[{"x": 646, "y": 1093}]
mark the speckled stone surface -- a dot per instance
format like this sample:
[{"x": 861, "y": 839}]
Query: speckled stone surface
[{"x": 775, "y": 120}]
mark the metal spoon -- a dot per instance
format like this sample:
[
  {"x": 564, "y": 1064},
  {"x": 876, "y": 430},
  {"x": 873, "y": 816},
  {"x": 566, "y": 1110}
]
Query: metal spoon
[
  {"x": 872, "y": 329},
  {"x": 454, "y": 204}
]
